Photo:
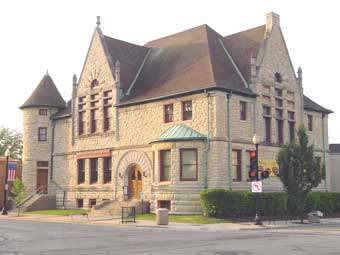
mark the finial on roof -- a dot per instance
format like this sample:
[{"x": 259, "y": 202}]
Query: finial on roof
[
  {"x": 117, "y": 64},
  {"x": 74, "y": 79},
  {"x": 47, "y": 73},
  {"x": 299, "y": 71},
  {"x": 98, "y": 21}
]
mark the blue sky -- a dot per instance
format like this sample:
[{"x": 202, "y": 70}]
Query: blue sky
[{"x": 55, "y": 35}]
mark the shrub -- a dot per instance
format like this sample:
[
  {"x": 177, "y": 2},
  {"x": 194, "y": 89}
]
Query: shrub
[{"x": 224, "y": 203}]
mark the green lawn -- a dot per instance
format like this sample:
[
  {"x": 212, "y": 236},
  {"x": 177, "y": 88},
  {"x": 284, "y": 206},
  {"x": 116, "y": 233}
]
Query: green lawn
[
  {"x": 193, "y": 219},
  {"x": 58, "y": 212}
]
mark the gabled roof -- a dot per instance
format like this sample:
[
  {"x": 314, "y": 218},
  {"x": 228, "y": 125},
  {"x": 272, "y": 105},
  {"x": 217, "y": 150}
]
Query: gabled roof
[
  {"x": 334, "y": 148},
  {"x": 243, "y": 45},
  {"x": 129, "y": 55},
  {"x": 45, "y": 94},
  {"x": 312, "y": 106},
  {"x": 187, "y": 61},
  {"x": 180, "y": 133}
]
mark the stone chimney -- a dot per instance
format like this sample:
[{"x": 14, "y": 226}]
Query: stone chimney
[{"x": 272, "y": 20}]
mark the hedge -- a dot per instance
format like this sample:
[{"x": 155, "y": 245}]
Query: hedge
[{"x": 224, "y": 203}]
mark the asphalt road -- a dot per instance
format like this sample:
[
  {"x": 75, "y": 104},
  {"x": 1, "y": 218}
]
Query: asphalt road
[{"x": 25, "y": 237}]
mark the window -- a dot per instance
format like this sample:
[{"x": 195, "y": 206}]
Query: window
[
  {"x": 187, "y": 110},
  {"x": 237, "y": 165},
  {"x": 80, "y": 203},
  {"x": 80, "y": 123},
  {"x": 164, "y": 204},
  {"x": 278, "y": 103},
  {"x": 42, "y": 134},
  {"x": 243, "y": 110},
  {"x": 93, "y": 121},
  {"x": 188, "y": 164},
  {"x": 291, "y": 124},
  {"x": 107, "y": 169},
  {"x": 310, "y": 122},
  {"x": 279, "y": 113},
  {"x": 92, "y": 202},
  {"x": 165, "y": 165},
  {"x": 267, "y": 124},
  {"x": 81, "y": 171},
  {"x": 93, "y": 170},
  {"x": 106, "y": 118},
  {"x": 277, "y": 77},
  {"x": 94, "y": 83},
  {"x": 168, "y": 113},
  {"x": 42, "y": 164},
  {"x": 278, "y": 92},
  {"x": 43, "y": 112},
  {"x": 279, "y": 131}
]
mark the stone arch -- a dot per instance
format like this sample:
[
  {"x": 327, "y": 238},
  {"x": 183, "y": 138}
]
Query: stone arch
[{"x": 129, "y": 158}]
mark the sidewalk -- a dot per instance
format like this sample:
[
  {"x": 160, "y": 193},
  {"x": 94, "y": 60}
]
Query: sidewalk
[{"x": 116, "y": 222}]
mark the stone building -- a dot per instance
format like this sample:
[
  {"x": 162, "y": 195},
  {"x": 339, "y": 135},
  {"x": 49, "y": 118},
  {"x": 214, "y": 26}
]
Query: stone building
[
  {"x": 334, "y": 166},
  {"x": 168, "y": 119}
]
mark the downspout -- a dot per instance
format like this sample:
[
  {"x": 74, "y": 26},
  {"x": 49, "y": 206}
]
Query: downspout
[
  {"x": 228, "y": 95},
  {"x": 324, "y": 150},
  {"x": 207, "y": 149},
  {"x": 52, "y": 150}
]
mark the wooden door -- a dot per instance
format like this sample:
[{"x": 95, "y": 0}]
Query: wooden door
[
  {"x": 135, "y": 182},
  {"x": 42, "y": 180}
]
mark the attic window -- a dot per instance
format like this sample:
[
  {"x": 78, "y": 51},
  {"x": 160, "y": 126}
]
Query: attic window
[
  {"x": 278, "y": 77},
  {"x": 94, "y": 83}
]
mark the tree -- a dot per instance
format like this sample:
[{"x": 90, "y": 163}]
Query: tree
[
  {"x": 11, "y": 139},
  {"x": 18, "y": 191},
  {"x": 299, "y": 171}
]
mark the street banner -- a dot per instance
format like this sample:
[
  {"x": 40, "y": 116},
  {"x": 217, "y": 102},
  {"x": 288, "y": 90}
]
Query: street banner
[{"x": 12, "y": 167}]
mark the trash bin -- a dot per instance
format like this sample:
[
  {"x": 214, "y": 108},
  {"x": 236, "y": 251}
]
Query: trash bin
[
  {"x": 162, "y": 216},
  {"x": 314, "y": 217}
]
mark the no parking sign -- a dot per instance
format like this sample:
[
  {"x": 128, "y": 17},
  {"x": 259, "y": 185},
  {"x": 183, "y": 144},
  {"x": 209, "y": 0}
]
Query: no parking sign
[{"x": 256, "y": 186}]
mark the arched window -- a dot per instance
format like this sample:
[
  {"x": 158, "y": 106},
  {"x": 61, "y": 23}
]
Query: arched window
[
  {"x": 278, "y": 77},
  {"x": 94, "y": 83}
]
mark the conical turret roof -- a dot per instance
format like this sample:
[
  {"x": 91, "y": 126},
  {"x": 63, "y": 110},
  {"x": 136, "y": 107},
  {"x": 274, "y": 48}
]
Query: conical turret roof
[{"x": 45, "y": 94}]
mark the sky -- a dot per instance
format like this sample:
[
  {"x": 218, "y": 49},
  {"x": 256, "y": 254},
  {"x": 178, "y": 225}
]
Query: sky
[{"x": 55, "y": 35}]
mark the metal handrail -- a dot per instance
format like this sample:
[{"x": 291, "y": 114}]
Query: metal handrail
[{"x": 38, "y": 191}]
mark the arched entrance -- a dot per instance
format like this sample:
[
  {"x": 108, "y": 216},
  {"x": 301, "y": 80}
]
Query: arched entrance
[{"x": 135, "y": 184}]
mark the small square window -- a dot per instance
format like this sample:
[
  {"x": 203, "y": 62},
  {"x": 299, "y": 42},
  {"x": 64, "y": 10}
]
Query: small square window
[
  {"x": 80, "y": 203},
  {"x": 164, "y": 204},
  {"x": 187, "y": 110},
  {"x": 168, "y": 113},
  {"x": 42, "y": 112},
  {"x": 92, "y": 202}
]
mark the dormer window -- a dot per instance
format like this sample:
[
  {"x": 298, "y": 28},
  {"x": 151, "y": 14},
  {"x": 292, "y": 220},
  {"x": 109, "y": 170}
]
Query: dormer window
[
  {"x": 278, "y": 78},
  {"x": 94, "y": 83}
]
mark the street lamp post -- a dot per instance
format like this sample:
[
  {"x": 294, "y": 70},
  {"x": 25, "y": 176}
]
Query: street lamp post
[
  {"x": 258, "y": 220},
  {"x": 4, "y": 208}
]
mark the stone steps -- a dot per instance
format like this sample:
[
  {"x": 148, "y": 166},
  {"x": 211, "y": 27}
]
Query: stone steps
[{"x": 114, "y": 207}]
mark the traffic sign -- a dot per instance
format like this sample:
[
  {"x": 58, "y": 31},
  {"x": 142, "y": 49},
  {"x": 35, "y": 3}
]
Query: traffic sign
[
  {"x": 142, "y": 195},
  {"x": 256, "y": 186}
]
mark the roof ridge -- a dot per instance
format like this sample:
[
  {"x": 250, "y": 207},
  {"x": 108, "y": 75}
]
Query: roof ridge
[
  {"x": 173, "y": 35},
  {"x": 133, "y": 44},
  {"x": 244, "y": 31}
]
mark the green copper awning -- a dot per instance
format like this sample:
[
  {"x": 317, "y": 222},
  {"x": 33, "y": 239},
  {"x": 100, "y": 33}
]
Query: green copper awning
[{"x": 180, "y": 133}]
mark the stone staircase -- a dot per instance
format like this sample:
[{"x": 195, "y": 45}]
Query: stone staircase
[
  {"x": 37, "y": 201},
  {"x": 114, "y": 207}
]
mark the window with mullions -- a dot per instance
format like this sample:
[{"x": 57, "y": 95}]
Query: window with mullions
[
  {"x": 81, "y": 171},
  {"x": 188, "y": 164},
  {"x": 187, "y": 110},
  {"x": 168, "y": 113},
  {"x": 165, "y": 165},
  {"x": 93, "y": 170},
  {"x": 107, "y": 169}
]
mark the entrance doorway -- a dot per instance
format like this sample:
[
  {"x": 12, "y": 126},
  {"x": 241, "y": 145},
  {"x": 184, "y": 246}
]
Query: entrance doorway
[
  {"x": 135, "y": 182},
  {"x": 42, "y": 180}
]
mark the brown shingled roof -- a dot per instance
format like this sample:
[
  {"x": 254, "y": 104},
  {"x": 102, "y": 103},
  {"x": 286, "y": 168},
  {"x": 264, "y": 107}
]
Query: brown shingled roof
[
  {"x": 309, "y": 104},
  {"x": 243, "y": 45},
  {"x": 45, "y": 94},
  {"x": 187, "y": 61}
]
